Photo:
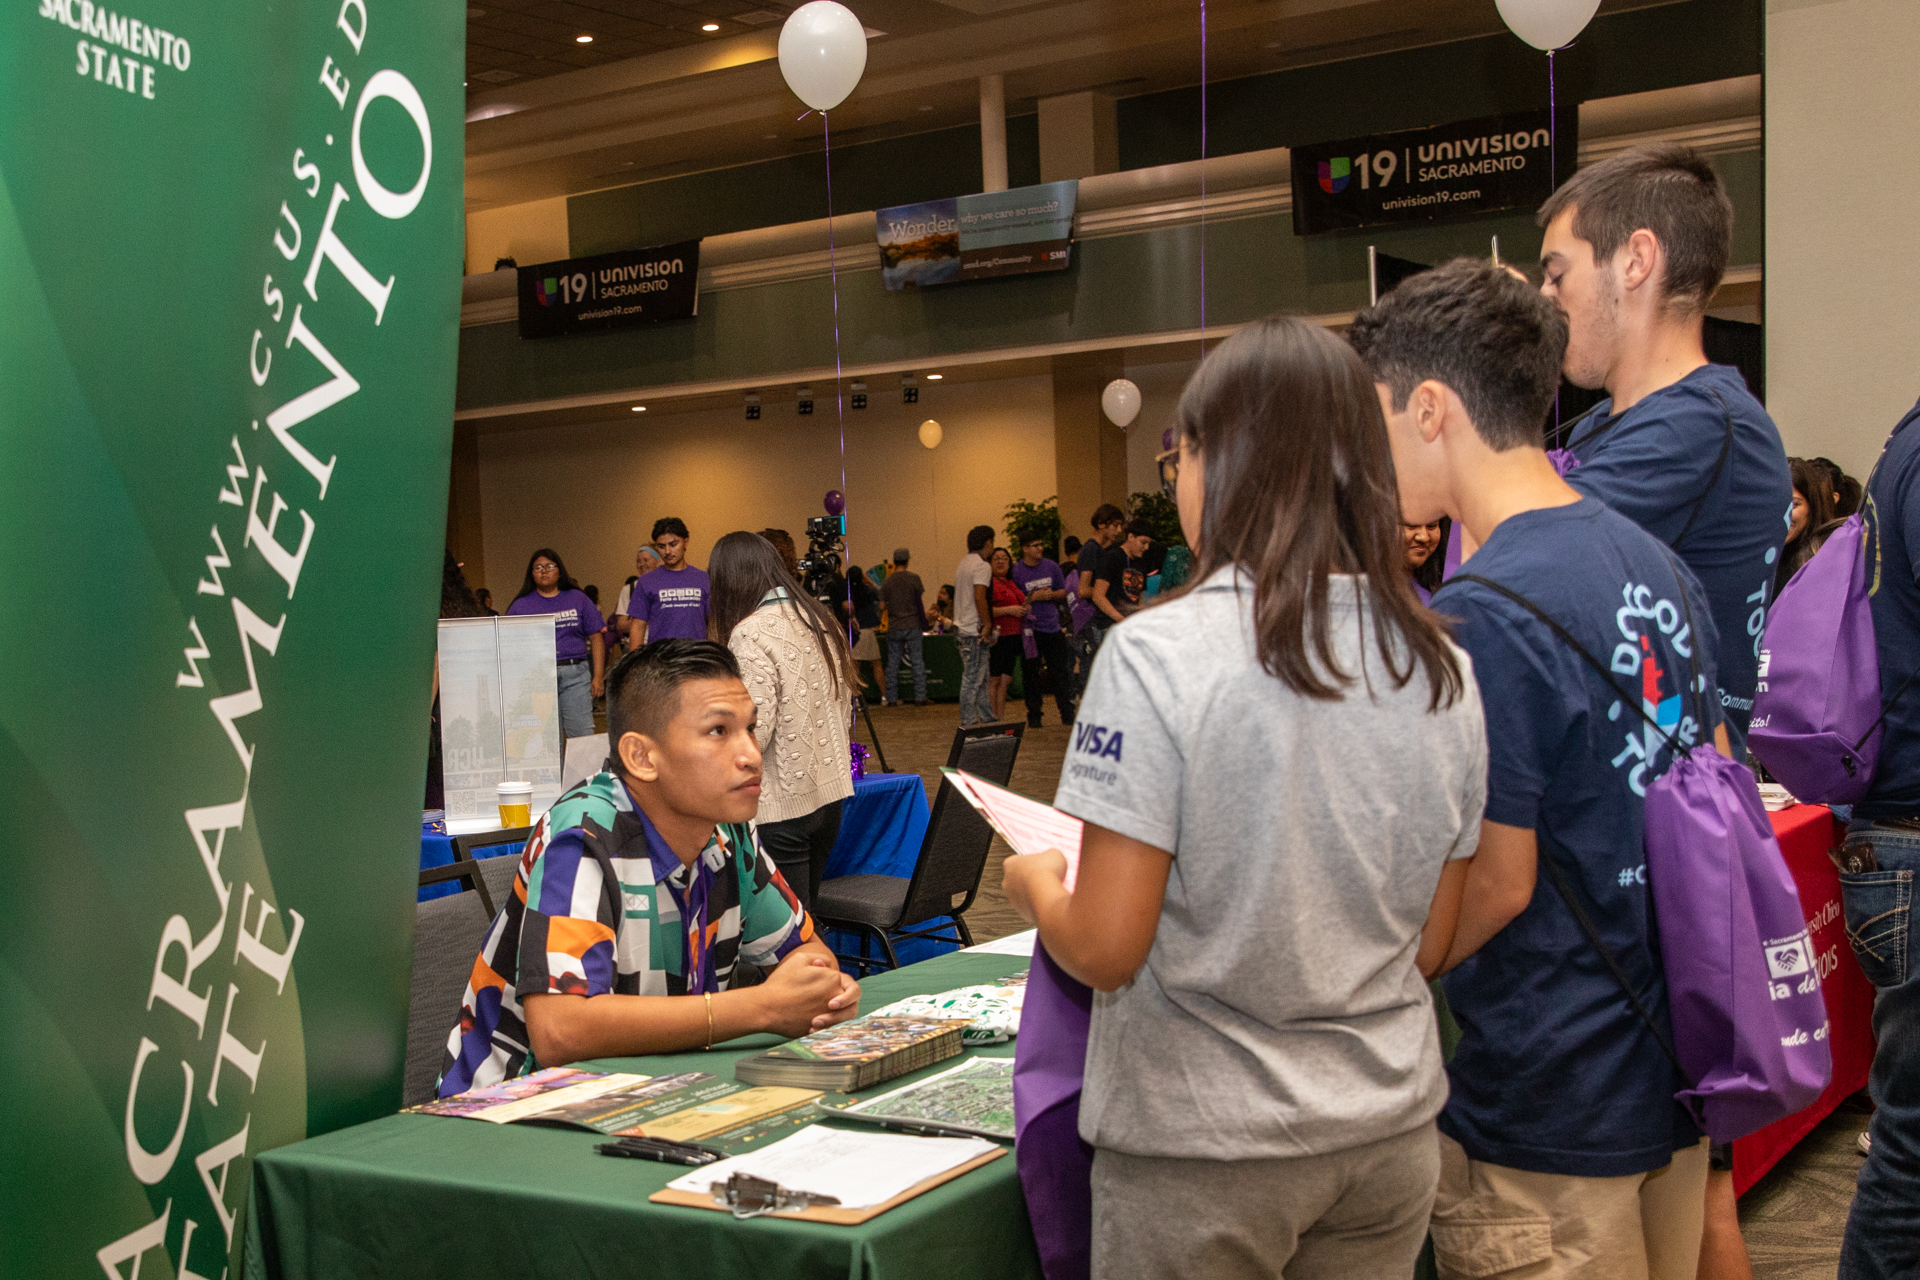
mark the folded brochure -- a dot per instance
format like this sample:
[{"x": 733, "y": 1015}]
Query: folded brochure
[
  {"x": 689, "y": 1106},
  {"x": 973, "y": 1098},
  {"x": 1026, "y": 825}
]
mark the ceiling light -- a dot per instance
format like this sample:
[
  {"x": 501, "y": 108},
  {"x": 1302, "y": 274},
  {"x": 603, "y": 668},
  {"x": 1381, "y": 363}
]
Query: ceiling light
[
  {"x": 709, "y": 26},
  {"x": 583, "y": 39},
  {"x": 639, "y": 408},
  {"x": 935, "y": 377}
]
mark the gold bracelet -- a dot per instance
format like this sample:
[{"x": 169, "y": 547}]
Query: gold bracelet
[{"x": 709, "y": 996}]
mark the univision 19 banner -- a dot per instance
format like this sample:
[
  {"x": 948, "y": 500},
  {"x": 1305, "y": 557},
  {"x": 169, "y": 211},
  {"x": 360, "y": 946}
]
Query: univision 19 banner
[
  {"x": 1421, "y": 175},
  {"x": 230, "y": 252}
]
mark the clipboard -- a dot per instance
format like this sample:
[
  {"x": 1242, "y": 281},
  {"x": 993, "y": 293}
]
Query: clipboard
[{"x": 827, "y": 1213}]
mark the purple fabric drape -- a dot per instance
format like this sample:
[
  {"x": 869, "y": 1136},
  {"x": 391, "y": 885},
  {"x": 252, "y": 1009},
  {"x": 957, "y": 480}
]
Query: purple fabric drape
[{"x": 1056, "y": 1167}]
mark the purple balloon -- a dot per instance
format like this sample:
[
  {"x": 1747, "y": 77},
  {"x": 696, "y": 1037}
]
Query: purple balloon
[
  {"x": 836, "y": 502},
  {"x": 1166, "y": 440}
]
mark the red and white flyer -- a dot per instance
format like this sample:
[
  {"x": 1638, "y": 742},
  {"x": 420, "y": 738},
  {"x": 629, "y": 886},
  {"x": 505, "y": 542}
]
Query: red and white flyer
[{"x": 1026, "y": 825}]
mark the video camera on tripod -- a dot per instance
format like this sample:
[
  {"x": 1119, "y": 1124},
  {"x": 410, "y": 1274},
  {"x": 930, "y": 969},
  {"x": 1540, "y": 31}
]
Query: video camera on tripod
[{"x": 820, "y": 568}]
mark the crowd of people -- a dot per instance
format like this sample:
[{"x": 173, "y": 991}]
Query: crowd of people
[
  {"x": 1456, "y": 791},
  {"x": 1335, "y": 766}
]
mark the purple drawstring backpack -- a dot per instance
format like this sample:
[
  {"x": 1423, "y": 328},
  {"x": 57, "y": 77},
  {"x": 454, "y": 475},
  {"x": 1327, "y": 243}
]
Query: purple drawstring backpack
[
  {"x": 1749, "y": 1020},
  {"x": 1055, "y": 1166},
  {"x": 1817, "y": 710}
]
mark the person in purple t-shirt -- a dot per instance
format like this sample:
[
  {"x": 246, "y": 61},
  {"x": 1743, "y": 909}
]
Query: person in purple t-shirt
[
  {"x": 1046, "y": 587},
  {"x": 578, "y": 637},
  {"x": 673, "y": 601}
]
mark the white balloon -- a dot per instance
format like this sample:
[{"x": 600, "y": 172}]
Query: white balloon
[
  {"x": 1121, "y": 402},
  {"x": 930, "y": 434},
  {"x": 1547, "y": 24},
  {"x": 823, "y": 50}
]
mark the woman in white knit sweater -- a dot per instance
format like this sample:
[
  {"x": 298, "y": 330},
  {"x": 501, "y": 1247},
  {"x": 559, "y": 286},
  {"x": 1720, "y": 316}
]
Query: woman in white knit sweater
[{"x": 795, "y": 662}]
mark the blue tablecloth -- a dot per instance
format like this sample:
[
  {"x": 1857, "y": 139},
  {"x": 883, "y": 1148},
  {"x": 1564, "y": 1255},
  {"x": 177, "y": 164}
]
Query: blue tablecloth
[
  {"x": 436, "y": 850},
  {"x": 881, "y": 829}
]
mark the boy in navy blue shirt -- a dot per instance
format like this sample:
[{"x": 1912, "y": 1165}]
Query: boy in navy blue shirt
[
  {"x": 1561, "y": 1140},
  {"x": 1635, "y": 247},
  {"x": 1882, "y": 855}
]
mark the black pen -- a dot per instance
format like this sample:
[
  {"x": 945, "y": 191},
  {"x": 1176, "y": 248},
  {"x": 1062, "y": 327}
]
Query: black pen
[{"x": 666, "y": 1155}]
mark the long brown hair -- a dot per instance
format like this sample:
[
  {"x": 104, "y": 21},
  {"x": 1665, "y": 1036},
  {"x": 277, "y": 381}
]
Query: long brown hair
[
  {"x": 1299, "y": 485},
  {"x": 742, "y": 569}
]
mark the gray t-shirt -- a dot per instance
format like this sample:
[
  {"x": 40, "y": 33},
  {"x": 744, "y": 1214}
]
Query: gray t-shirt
[
  {"x": 1279, "y": 1012},
  {"x": 973, "y": 572}
]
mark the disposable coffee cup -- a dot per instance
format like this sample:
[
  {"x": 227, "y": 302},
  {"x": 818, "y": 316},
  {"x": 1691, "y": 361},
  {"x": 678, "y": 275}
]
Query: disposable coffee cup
[{"x": 516, "y": 804}]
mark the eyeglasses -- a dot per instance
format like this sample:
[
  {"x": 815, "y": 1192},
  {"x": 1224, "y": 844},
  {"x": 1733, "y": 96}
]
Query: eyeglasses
[
  {"x": 544, "y": 567},
  {"x": 1169, "y": 464}
]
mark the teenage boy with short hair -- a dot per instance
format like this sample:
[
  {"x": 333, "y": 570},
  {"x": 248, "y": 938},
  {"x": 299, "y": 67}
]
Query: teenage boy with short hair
[
  {"x": 1635, "y": 247},
  {"x": 1045, "y": 586},
  {"x": 1562, "y": 1147},
  {"x": 673, "y": 601},
  {"x": 1881, "y": 857},
  {"x": 639, "y": 892},
  {"x": 1108, "y": 522},
  {"x": 906, "y": 599},
  {"x": 973, "y": 625},
  {"x": 1122, "y": 582}
]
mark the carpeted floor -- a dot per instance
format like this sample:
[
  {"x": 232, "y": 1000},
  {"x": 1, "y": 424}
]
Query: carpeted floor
[{"x": 1792, "y": 1219}]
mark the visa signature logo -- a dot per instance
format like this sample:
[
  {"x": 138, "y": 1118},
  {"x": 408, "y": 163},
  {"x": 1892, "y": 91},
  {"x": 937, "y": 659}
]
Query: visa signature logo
[{"x": 1097, "y": 740}]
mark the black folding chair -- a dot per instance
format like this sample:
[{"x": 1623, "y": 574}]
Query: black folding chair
[
  {"x": 946, "y": 876},
  {"x": 489, "y": 876}
]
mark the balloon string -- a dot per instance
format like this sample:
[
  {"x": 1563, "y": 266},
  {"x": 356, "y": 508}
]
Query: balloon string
[
  {"x": 1553, "y": 180},
  {"x": 1203, "y": 179},
  {"x": 839, "y": 396}
]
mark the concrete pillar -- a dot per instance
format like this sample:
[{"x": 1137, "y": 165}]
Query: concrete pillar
[
  {"x": 1079, "y": 136},
  {"x": 1841, "y": 277},
  {"x": 993, "y": 133},
  {"x": 1089, "y": 453}
]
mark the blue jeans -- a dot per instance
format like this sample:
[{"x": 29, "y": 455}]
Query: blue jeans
[
  {"x": 975, "y": 706},
  {"x": 576, "y": 700},
  {"x": 1883, "y": 1229},
  {"x": 909, "y": 641}
]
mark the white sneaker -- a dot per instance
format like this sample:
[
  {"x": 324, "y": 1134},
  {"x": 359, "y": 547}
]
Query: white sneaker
[{"x": 1866, "y": 1143}]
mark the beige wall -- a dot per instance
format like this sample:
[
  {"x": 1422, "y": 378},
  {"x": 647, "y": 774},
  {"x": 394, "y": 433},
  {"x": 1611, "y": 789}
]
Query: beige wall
[
  {"x": 1843, "y": 187},
  {"x": 1160, "y": 386},
  {"x": 527, "y": 233},
  {"x": 593, "y": 491}
]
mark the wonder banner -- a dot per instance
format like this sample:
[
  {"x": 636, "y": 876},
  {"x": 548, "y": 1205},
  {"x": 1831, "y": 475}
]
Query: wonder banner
[{"x": 230, "y": 244}]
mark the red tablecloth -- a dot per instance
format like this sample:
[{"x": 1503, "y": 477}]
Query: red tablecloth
[{"x": 1806, "y": 832}]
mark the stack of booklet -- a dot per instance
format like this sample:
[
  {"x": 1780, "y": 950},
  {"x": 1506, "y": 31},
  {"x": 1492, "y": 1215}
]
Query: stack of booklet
[{"x": 855, "y": 1054}]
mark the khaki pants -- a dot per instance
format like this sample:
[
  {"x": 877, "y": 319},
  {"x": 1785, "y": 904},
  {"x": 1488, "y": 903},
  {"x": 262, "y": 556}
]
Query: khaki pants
[
  {"x": 1360, "y": 1213},
  {"x": 1489, "y": 1220}
]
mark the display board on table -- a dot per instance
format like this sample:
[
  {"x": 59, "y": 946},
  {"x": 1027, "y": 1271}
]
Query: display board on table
[
  {"x": 231, "y": 245},
  {"x": 999, "y": 233},
  {"x": 499, "y": 711},
  {"x": 1420, "y": 175}
]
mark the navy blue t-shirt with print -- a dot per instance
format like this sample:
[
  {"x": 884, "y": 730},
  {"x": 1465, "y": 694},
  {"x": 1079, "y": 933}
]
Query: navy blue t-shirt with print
[
  {"x": 1655, "y": 462},
  {"x": 1555, "y": 1072},
  {"x": 1891, "y": 512}
]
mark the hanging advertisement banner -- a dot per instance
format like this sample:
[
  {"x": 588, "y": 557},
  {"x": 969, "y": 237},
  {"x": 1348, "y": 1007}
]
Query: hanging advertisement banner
[
  {"x": 230, "y": 248},
  {"x": 610, "y": 290},
  {"x": 1000, "y": 233},
  {"x": 1420, "y": 175}
]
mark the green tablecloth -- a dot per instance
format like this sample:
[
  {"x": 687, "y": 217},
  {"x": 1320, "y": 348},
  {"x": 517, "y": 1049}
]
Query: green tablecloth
[{"x": 429, "y": 1196}]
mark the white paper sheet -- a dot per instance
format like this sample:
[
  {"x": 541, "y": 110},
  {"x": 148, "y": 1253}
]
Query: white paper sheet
[
  {"x": 860, "y": 1167},
  {"x": 1018, "y": 944},
  {"x": 1026, "y": 825}
]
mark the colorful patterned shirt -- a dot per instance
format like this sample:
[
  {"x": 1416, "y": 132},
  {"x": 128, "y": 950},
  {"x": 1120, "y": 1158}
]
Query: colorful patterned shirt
[{"x": 600, "y": 904}]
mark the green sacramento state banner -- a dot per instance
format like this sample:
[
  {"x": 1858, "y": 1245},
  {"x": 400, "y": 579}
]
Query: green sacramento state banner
[{"x": 230, "y": 243}]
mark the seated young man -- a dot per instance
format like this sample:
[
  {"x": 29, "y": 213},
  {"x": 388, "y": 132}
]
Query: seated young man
[
  {"x": 1562, "y": 1149},
  {"x": 641, "y": 889}
]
